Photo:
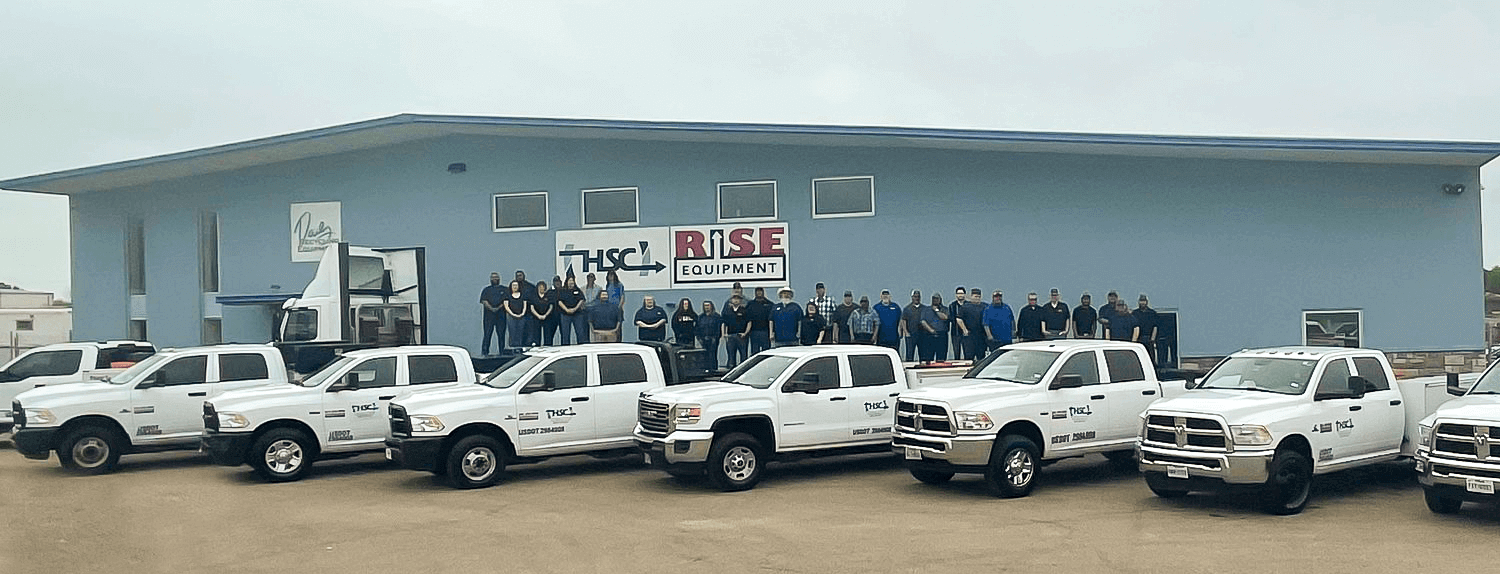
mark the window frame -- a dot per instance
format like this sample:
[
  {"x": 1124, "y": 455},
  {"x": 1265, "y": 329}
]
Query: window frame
[
  {"x": 816, "y": 215},
  {"x": 644, "y": 372},
  {"x": 583, "y": 207},
  {"x": 25, "y": 324},
  {"x": 1359, "y": 319},
  {"x": 719, "y": 201},
  {"x": 873, "y": 358},
  {"x": 1107, "y": 353},
  {"x": 447, "y": 360},
  {"x": 260, "y": 361},
  {"x": 546, "y": 212}
]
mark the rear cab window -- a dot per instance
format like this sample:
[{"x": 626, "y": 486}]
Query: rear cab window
[
  {"x": 871, "y": 370},
  {"x": 431, "y": 369},
  {"x": 1124, "y": 366},
  {"x": 1374, "y": 373},
  {"x": 243, "y": 367}
]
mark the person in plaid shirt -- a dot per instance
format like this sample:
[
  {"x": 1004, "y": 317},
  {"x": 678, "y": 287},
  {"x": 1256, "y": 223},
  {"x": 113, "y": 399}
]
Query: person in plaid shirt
[{"x": 823, "y": 301}]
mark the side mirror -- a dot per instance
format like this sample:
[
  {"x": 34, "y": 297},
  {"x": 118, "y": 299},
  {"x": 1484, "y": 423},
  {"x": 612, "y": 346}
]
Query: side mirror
[
  {"x": 1454, "y": 387},
  {"x": 1190, "y": 383},
  {"x": 158, "y": 379},
  {"x": 349, "y": 382},
  {"x": 1067, "y": 382},
  {"x": 807, "y": 384},
  {"x": 547, "y": 382}
]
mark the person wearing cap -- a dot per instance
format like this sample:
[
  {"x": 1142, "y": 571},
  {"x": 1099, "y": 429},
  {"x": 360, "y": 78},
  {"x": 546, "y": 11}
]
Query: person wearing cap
[
  {"x": 838, "y": 322},
  {"x": 1145, "y": 319},
  {"x": 999, "y": 322},
  {"x": 737, "y": 289},
  {"x": 736, "y": 331},
  {"x": 1029, "y": 322},
  {"x": 911, "y": 326},
  {"x": 758, "y": 314},
  {"x": 1085, "y": 318},
  {"x": 956, "y": 331},
  {"x": 1107, "y": 311},
  {"x": 888, "y": 315},
  {"x": 863, "y": 323},
  {"x": 1055, "y": 317},
  {"x": 823, "y": 301},
  {"x": 1122, "y": 325},
  {"x": 785, "y": 317},
  {"x": 935, "y": 323},
  {"x": 971, "y": 321}
]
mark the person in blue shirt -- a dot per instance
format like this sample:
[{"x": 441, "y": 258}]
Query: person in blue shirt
[
  {"x": 650, "y": 321},
  {"x": 935, "y": 329},
  {"x": 491, "y": 298},
  {"x": 616, "y": 291},
  {"x": 784, "y": 319},
  {"x": 604, "y": 320},
  {"x": 999, "y": 323},
  {"x": 890, "y": 321},
  {"x": 710, "y": 329},
  {"x": 1122, "y": 326}
]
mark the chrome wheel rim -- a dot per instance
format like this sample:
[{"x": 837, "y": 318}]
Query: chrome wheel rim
[
  {"x": 478, "y": 464},
  {"x": 90, "y": 452},
  {"x": 284, "y": 456},
  {"x": 739, "y": 463},
  {"x": 1019, "y": 467}
]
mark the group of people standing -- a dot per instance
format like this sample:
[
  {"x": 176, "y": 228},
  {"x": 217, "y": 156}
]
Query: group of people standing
[{"x": 536, "y": 314}]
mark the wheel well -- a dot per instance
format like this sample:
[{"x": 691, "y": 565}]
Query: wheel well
[
  {"x": 1027, "y": 429},
  {"x": 1297, "y": 443},
  {"x": 478, "y": 428},
  {"x": 756, "y": 426},
  {"x": 289, "y": 424},
  {"x": 97, "y": 420}
]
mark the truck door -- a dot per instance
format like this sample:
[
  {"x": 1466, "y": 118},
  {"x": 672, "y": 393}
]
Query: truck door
[
  {"x": 1383, "y": 404},
  {"x": 1342, "y": 425},
  {"x": 872, "y": 396},
  {"x": 356, "y": 416},
  {"x": 1078, "y": 415},
  {"x": 1128, "y": 393},
  {"x": 39, "y": 369},
  {"x": 168, "y": 403},
  {"x": 810, "y": 419},
  {"x": 558, "y": 417},
  {"x": 622, "y": 379}
]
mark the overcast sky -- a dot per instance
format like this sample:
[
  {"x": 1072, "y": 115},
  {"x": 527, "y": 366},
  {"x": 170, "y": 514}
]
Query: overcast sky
[{"x": 84, "y": 83}]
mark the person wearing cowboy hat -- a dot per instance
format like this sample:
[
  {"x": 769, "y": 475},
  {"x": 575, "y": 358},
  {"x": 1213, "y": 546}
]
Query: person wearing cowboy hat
[{"x": 784, "y": 318}]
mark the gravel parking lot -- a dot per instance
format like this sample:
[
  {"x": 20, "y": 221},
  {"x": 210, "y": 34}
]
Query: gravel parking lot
[{"x": 176, "y": 512}]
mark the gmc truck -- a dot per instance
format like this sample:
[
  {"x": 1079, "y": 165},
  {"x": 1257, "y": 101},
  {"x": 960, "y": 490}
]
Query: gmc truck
[
  {"x": 154, "y": 405},
  {"x": 1457, "y": 456},
  {"x": 336, "y": 412},
  {"x": 1274, "y": 418},
  {"x": 1028, "y": 405},
  {"x": 66, "y": 363}
]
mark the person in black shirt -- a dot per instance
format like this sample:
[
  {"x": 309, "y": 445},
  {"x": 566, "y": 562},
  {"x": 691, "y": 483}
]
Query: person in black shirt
[
  {"x": 971, "y": 321},
  {"x": 526, "y": 287},
  {"x": 650, "y": 321},
  {"x": 1084, "y": 318},
  {"x": 544, "y": 310},
  {"x": 491, "y": 298},
  {"x": 1107, "y": 312},
  {"x": 736, "y": 332},
  {"x": 1055, "y": 318},
  {"x": 571, "y": 314},
  {"x": 1029, "y": 320},
  {"x": 838, "y": 327},
  {"x": 758, "y": 313},
  {"x": 812, "y": 326},
  {"x": 956, "y": 333},
  {"x": 1123, "y": 327},
  {"x": 911, "y": 327},
  {"x": 685, "y": 324},
  {"x": 1145, "y": 318},
  {"x": 517, "y": 315}
]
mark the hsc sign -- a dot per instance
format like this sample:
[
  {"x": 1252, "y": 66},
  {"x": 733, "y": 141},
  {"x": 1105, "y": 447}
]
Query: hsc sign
[{"x": 696, "y": 257}]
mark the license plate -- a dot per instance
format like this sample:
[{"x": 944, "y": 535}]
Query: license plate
[
  {"x": 390, "y": 453},
  {"x": 912, "y": 453},
  {"x": 1479, "y": 486},
  {"x": 1177, "y": 472}
]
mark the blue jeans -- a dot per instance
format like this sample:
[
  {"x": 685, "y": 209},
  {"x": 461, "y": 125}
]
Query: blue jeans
[
  {"x": 519, "y": 331},
  {"x": 759, "y": 341},
  {"x": 574, "y": 326},
  {"x": 549, "y": 328},
  {"x": 734, "y": 350},
  {"x": 940, "y": 346},
  {"x": 711, "y": 348},
  {"x": 913, "y": 347},
  {"x": 494, "y": 324}
]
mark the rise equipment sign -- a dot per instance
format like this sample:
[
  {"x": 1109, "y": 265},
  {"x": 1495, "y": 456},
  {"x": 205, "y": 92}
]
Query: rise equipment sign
[{"x": 718, "y": 256}]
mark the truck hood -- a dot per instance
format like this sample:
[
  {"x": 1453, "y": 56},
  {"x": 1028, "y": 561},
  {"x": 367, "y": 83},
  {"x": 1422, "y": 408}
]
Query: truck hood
[
  {"x": 972, "y": 393},
  {"x": 1237, "y": 407},
  {"x": 72, "y": 394},
  {"x": 1472, "y": 407},
  {"x": 273, "y": 395},
  {"x": 709, "y": 392},
  {"x": 455, "y": 399}
]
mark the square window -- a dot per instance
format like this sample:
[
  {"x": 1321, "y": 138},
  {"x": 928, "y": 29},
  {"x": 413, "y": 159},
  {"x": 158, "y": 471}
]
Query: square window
[
  {"x": 520, "y": 211},
  {"x": 1341, "y": 328},
  {"x": 24, "y": 324},
  {"x": 617, "y": 206},
  {"x": 748, "y": 200},
  {"x": 843, "y": 197}
]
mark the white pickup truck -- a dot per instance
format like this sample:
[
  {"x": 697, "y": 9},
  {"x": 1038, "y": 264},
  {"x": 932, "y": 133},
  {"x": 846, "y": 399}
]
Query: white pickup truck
[
  {"x": 1458, "y": 457},
  {"x": 338, "y": 411},
  {"x": 782, "y": 403},
  {"x": 66, "y": 363},
  {"x": 154, "y": 405},
  {"x": 1274, "y": 418},
  {"x": 1027, "y": 405},
  {"x": 548, "y": 401}
]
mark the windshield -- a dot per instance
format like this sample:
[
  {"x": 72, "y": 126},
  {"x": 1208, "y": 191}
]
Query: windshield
[
  {"x": 1285, "y": 376},
  {"x": 135, "y": 370},
  {"x": 322, "y": 374},
  {"x": 1489, "y": 384},
  {"x": 760, "y": 371},
  {"x": 507, "y": 375},
  {"x": 1015, "y": 365}
]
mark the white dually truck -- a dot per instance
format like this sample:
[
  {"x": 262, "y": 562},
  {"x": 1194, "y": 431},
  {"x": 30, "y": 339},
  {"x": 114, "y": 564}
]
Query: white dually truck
[
  {"x": 1027, "y": 405},
  {"x": 1458, "y": 458},
  {"x": 64, "y": 363},
  {"x": 1274, "y": 418}
]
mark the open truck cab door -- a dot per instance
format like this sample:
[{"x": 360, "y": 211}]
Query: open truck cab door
[{"x": 359, "y": 297}]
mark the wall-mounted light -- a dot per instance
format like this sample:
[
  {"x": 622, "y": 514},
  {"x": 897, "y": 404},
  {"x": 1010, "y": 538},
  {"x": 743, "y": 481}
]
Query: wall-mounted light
[
  {"x": 457, "y": 168},
  {"x": 1453, "y": 188}
]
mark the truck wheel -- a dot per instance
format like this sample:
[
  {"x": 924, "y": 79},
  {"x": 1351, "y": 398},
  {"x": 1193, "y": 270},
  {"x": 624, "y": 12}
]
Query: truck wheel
[
  {"x": 735, "y": 462},
  {"x": 477, "y": 461},
  {"x": 89, "y": 449},
  {"x": 931, "y": 476},
  {"x": 1162, "y": 486},
  {"x": 1122, "y": 460},
  {"x": 281, "y": 455},
  {"x": 1440, "y": 504},
  {"x": 1013, "y": 467},
  {"x": 1290, "y": 485}
]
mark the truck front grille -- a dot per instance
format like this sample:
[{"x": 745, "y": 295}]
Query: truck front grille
[
  {"x": 1466, "y": 442},
  {"x": 210, "y": 417},
  {"x": 655, "y": 418},
  {"x": 1191, "y": 433},
  {"x": 17, "y": 415},
  {"x": 923, "y": 418},
  {"x": 400, "y": 424}
]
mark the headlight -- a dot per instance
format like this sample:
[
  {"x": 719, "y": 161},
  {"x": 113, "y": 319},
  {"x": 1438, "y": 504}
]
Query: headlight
[
  {"x": 973, "y": 420},
  {"x": 233, "y": 421},
  {"x": 1424, "y": 435},
  {"x": 688, "y": 414},
  {"x": 39, "y": 416},
  {"x": 425, "y": 423},
  {"x": 1250, "y": 435}
]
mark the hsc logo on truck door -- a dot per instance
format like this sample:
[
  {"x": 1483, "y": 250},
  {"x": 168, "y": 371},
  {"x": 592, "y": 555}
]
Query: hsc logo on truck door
[{"x": 720, "y": 255}]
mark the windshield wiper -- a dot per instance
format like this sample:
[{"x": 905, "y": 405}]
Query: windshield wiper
[{"x": 1001, "y": 379}]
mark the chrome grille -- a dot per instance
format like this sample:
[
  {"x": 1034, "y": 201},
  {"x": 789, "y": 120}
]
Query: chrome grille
[
  {"x": 1465, "y": 442},
  {"x": 654, "y": 418},
  {"x": 1190, "y": 433},
  {"x": 400, "y": 423},
  {"x": 923, "y": 418}
]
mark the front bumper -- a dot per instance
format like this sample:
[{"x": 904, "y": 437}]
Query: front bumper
[
  {"x": 1246, "y": 467},
  {"x": 415, "y": 453},
  {"x": 227, "y": 449},
  {"x": 1451, "y": 476},
  {"x": 678, "y": 447},
  {"x": 963, "y": 453},
  {"x": 35, "y": 443}
]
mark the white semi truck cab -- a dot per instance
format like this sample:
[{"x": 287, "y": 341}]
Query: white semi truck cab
[
  {"x": 339, "y": 411},
  {"x": 359, "y": 297},
  {"x": 154, "y": 405},
  {"x": 64, "y": 363},
  {"x": 1274, "y": 418},
  {"x": 1458, "y": 458},
  {"x": 1027, "y": 405}
]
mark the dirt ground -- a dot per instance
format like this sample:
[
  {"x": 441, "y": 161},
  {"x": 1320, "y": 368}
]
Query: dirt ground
[{"x": 175, "y": 512}]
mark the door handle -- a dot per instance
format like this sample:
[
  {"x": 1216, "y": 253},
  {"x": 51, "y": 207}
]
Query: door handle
[
  {"x": 894, "y": 394},
  {"x": 580, "y": 399},
  {"x": 198, "y": 394},
  {"x": 1148, "y": 393},
  {"x": 387, "y": 397},
  {"x": 1355, "y": 408},
  {"x": 1395, "y": 402},
  {"x": 1096, "y": 397},
  {"x": 838, "y": 398}
]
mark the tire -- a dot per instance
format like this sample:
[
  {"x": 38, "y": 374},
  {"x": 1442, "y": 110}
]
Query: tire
[
  {"x": 1162, "y": 486},
  {"x": 931, "y": 476},
  {"x": 1290, "y": 485},
  {"x": 735, "y": 462},
  {"x": 1013, "y": 467},
  {"x": 281, "y": 455},
  {"x": 90, "y": 449},
  {"x": 476, "y": 461},
  {"x": 1122, "y": 460},
  {"x": 1440, "y": 504}
]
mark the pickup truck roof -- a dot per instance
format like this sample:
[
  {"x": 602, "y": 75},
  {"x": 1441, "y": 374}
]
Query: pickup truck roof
[
  {"x": 801, "y": 351},
  {"x": 223, "y": 347},
  {"x": 1305, "y": 352},
  {"x": 403, "y": 350},
  {"x": 570, "y": 349},
  {"x": 1068, "y": 344}
]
